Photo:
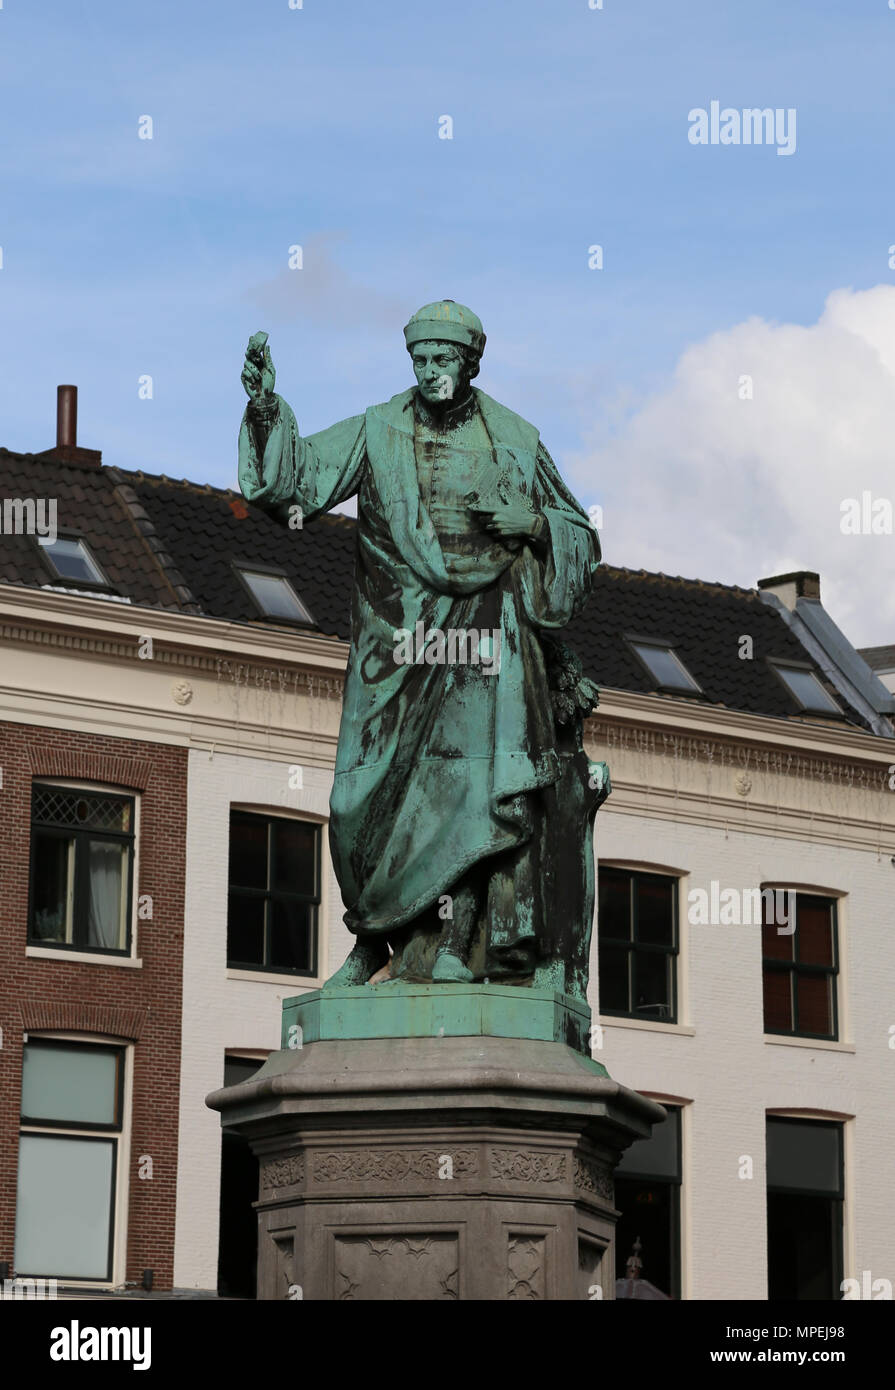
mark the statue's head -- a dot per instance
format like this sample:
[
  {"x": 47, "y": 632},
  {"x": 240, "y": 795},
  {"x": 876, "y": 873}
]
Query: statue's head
[{"x": 445, "y": 341}]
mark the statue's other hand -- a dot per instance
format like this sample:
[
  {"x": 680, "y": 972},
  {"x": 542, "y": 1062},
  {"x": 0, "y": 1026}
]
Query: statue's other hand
[
  {"x": 259, "y": 375},
  {"x": 507, "y": 519}
]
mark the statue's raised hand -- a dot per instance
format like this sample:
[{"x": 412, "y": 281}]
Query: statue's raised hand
[{"x": 258, "y": 373}]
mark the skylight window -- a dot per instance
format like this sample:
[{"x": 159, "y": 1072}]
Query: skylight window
[
  {"x": 70, "y": 559},
  {"x": 665, "y": 667},
  {"x": 806, "y": 689},
  {"x": 275, "y": 596}
]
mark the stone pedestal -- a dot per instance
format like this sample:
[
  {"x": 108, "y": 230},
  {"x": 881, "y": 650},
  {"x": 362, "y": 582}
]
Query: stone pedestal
[{"x": 436, "y": 1166}]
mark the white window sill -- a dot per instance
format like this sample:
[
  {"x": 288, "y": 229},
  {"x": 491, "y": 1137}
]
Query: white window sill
[
  {"x": 772, "y": 1039},
  {"x": 87, "y": 957},
  {"x": 293, "y": 982},
  {"x": 646, "y": 1025}
]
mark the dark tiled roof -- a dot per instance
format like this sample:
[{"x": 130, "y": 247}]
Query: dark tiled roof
[
  {"x": 86, "y": 502},
  {"x": 175, "y": 544}
]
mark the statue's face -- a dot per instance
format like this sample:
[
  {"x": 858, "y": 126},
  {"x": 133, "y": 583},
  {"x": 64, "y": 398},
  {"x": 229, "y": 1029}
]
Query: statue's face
[{"x": 441, "y": 372}]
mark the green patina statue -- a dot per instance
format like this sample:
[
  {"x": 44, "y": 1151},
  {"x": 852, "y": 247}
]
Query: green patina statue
[{"x": 463, "y": 803}]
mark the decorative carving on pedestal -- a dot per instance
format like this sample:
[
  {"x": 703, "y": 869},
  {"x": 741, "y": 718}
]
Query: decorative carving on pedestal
[
  {"x": 392, "y": 1165},
  {"x": 397, "y": 1267},
  {"x": 526, "y": 1165},
  {"x": 525, "y": 1267},
  {"x": 282, "y": 1172},
  {"x": 594, "y": 1177}
]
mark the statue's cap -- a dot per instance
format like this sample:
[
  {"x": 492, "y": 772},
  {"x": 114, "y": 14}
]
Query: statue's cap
[{"x": 445, "y": 321}]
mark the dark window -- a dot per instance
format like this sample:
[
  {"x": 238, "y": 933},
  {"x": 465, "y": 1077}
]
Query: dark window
[
  {"x": 805, "y": 688},
  {"x": 637, "y": 944},
  {"x": 805, "y": 1196},
  {"x": 238, "y": 1229},
  {"x": 71, "y": 560},
  {"x": 82, "y": 861},
  {"x": 800, "y": 967},
  {"x": 274, "y": 894},
  {"x": 274, "y": 596},
  {"x": 665, "y": 666},
  {"x": 72, "y": 1099},
  {"x": 648, "y": 1195}
]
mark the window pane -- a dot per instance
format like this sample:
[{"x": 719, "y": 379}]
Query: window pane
[
  {"x": 107, "y": 866},
  {"x": 71, "y": 559},
  {"x": 276, "y": 597},
  {"x": 78, "y": 1085},
  {"x": 613, "y": 978},
  {"x": 652, "y": 981},
  {"x": 248, "y": 851},
  {"x": 81, "y": 810},
  {"x": 655, "y": 910},
  {"x": 615, "y": 905},
  {"x": 649, "y": 1215},
  {"x": 665, "y": 667},
  {"x": 659, "y": 1155},
  {"x": 290, "y": 936},
  {"x": 804, "y": 1155},
  {"x": 63, "y": 1207},
  {"x": 814, "y": 929},
  {"x": 295, "y": 856},
  {"x": 245, "y": 930},
  {"x": 54, "y": 870},
  {"x": 808, "y": 690},
  {"x": 775, "y": 944},
  {"x": 815, "y": 998},
  {"x": 778, "y": 999},
  {"x": 804, "y": 1248}
]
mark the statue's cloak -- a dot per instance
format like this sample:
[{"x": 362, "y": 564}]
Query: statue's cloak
[{"x": 438, "y": 766}]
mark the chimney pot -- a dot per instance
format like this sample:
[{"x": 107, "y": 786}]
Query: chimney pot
[{"x": 66, "y": 417}]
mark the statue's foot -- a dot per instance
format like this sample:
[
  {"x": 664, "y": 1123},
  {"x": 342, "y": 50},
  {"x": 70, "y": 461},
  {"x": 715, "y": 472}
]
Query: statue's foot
[
  {"x": 550, "y": 974},
  {"x": 449, "y": 967},
  {"x": 364, "y": 960}
]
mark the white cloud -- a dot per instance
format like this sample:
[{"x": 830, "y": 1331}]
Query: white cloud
[{"x": 696, "y": 481}]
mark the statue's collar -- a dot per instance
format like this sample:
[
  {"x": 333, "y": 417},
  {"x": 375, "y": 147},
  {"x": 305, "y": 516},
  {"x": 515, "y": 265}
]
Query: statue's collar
[{"x": 448, "y": 418}]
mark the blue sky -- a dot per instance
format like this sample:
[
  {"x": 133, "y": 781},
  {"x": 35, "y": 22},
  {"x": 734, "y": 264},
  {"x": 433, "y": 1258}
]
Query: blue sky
[{"x": 319, "y": 126}]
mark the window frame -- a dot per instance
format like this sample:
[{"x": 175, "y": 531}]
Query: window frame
[
  {"x": 632, "y": 944},
  {"x": 694, "y": 691},
  {"x": 794, "y": 966},
  {"x": 105, "y": 586},
  {"x": 777, "y": 665},
  {"x": 115, "y": 1134},
  {"x": 635, "y": 1176},
  {"x": 838, "y": 1201},
  {"x": 269, "y": 894},
  {"x": 243, "y": 567},
  {"x": 81, "y": 890}
]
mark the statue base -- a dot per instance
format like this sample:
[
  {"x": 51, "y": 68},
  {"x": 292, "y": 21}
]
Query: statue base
[{"x": 434, "y": 1166}]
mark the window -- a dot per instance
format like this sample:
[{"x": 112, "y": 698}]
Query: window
[
  {"x": 82, "y": 861},
  {"x": 664, "y": 666},
  {"x": 637, "y": 944},
  {"x": 800, "y": 968},
  {"x": 70, "y": 559},
  {"x": 72, "y": 1101},
  {"x": 274, "y": 894},
  {"x": 274, "y": 595},
  {"x": 805, "y": 1205},
  {"x": 238, "y": 1223},
  {"x": 648, "y": 1195},
  {"x": 805, "y": 688}
]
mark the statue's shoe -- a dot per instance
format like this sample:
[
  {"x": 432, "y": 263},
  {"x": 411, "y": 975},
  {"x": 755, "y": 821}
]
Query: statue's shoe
[
  {"x": 363, "y": 962},
  {"x": 449, "y": 968}
]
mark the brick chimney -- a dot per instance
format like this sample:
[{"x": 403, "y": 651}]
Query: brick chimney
[
  {"x": 67, "y": 449},
  {"x": 789, "y": 588}
]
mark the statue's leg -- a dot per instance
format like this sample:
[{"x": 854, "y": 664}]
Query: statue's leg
[
  {"x": 368, "y": 955},
  {"x": 453, "y": 944}
]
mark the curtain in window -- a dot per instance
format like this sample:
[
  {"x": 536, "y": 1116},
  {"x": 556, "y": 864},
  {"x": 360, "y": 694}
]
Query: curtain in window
[{"x": 106, "y": 874}]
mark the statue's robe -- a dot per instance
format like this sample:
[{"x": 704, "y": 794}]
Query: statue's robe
[{"x": 441, "y": 767}]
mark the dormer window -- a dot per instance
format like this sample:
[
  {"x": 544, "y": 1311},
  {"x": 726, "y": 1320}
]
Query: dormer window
[
  {"x": 664, "y": 666},
  {"x": 70, "y": 559},
  {"x": 273, "y": 595},
  {"x": 805, "y": 688}
]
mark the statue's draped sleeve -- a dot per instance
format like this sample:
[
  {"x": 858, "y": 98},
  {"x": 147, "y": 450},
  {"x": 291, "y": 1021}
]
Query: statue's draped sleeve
[
  {"x": 316, "y": 473},
  {"x": 555, "y": 579}
]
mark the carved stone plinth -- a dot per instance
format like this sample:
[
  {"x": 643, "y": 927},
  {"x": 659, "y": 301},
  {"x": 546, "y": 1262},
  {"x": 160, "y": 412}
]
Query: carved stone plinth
[{"x": 436, "y": 1168}]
